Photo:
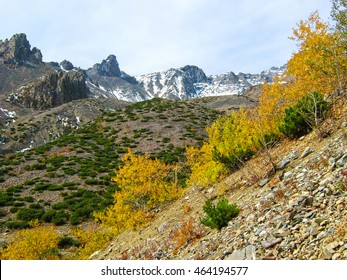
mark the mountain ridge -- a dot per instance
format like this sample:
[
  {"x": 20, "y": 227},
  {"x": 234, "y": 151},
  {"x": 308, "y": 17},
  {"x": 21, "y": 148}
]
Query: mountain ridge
[{"x": 106, "y": 78}]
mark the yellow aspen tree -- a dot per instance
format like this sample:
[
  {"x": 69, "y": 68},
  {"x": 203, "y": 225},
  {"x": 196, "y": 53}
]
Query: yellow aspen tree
[
  {"x": 233, "y": 138},
  {"x": 145, "y": 184},
  {"x": 319, "y": 65},
  {"x": 204, "y": 170},
  {"x": 92, "y": 238},
  {"x": 37, "y": 243}
]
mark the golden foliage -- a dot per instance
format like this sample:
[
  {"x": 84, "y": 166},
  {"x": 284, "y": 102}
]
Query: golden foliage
[
  {"x": 92, "y": 239},
  {"x": 204, "y": 170},
  {"x": 232, "y": 134},
  {"x": 320, "y": 64},
  {"x": 37, "y": 243},
  {"x": 145, "y": 184}
]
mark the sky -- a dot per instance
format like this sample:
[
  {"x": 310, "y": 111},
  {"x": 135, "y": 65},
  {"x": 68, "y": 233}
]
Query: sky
[{"x": 154, "y": 35}]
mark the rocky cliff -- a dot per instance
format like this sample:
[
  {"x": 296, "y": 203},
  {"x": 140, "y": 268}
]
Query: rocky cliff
[
  {"x": 51, "y": 90},
  {"x": 17, "y": 51},
  {"x": 105, "y": 79}
]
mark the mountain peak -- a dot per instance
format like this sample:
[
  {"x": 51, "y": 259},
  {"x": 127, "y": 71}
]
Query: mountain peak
[
  {"x": 108, "y": 67},
  {"x": 18, "y": 51}
]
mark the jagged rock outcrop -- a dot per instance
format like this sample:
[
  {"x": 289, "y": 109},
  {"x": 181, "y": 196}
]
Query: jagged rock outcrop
[
  {"x": 17, "y": 51},
  {"x": 108, "y": 67},
  {"x": 66, "y": 65},
  {"x": 51, "y": 90},
  {"x": 105, "y": 79}
]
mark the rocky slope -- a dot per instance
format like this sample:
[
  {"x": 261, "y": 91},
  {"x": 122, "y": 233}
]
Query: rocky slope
[{"x": 298, "y": 213}]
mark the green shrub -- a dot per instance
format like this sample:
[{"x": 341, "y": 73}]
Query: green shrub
[
  {"x": 17, "y": 225},
  {"x": 301, "y": 118},
  {"x": 29, "y": 214},
  {"x": 48, "y": 216},
  {"x": 67, "y": 242},
  {"x": 220, "y": 214},
  {"x": 60, "y": 218}
]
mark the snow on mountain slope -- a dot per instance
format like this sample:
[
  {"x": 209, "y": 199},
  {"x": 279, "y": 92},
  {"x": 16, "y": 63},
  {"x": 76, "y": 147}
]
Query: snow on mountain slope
[{"x": 190, "y": 81}]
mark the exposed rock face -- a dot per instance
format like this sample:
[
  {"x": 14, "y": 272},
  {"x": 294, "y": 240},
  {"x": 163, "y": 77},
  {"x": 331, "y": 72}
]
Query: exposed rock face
[
  {"x": 66, "y": 65},
  {"x": 108, "y": 67},
  {"x": 175, "y": 83},
  {"x": 105, "y": 79},
  {"x": 51, "y": 90},
  {"x": 190, "y": 81},
  {"x": 17, "y": 51}
]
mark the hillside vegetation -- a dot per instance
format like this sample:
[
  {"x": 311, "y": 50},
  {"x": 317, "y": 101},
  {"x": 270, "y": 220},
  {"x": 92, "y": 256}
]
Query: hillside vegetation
[{"x": 148, "y": 182}]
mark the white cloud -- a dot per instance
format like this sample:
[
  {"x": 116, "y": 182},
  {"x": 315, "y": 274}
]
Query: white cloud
[{"x": 152, "y": 35}]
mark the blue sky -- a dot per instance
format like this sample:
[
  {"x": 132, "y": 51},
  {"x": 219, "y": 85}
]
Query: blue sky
[{"x": 153, "y": 35}]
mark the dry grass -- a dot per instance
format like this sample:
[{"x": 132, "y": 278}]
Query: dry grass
[{"x": 188, "y": 232}]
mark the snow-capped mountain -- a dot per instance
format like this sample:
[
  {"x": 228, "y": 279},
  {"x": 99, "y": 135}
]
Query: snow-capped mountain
[
  {"x": 191, "y": 81},
  {"x": 176, "y": 84},
  {"x": 107, "y": 80}
]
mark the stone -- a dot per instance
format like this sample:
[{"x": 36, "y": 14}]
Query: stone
[
  {"x": 270, "y": 244},
  {"x": 336, "y": 256},
  {"x": 322, "y": 235},
  {"x": 287, "y": 175},
  {"x": 159, "y": 254},
  {"x": 210, "y": 191},
  {"x": 307, "y": 201},
  {"x": 306, "y": 152},
  {"x": 325, "y": 182},
  {"x": 282, "y": 233},
  {"x": 341, "y": 162},
  {"x": 163, "y": 227},
  {"x": 247, "y": 253},
  {"x": 283, "y": 164},
  {"x": 263, "y": 182},
  {"x": 294, "y": 155},
  {"x": 313, "y": 230},
  {"x": 331, "y": 247}
]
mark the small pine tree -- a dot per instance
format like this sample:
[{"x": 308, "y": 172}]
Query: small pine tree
[
  {"x": 220, "y": 214},
  {"x": 307, "y": 114}
]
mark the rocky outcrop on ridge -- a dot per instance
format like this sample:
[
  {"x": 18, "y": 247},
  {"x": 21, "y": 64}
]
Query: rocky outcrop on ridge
[
  {"x": 17, "y": 51},
  {"x": 51, "y": 90}
]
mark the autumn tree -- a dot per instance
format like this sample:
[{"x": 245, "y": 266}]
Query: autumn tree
[
  {"x": 339, "y": 15},
  {"x": 319, "y": 65},
  {"x": 37, "y": 243},
  {"x": 204, "y": 169},
  {"x": 144, "y": 184},
  {"x": 233, "y": 138},
  {"x": 91, "y": 239}
]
